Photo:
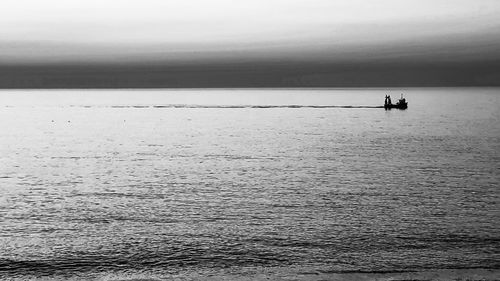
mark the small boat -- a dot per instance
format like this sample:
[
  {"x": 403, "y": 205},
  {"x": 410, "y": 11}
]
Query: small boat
[{"x": 400, "y": 104}]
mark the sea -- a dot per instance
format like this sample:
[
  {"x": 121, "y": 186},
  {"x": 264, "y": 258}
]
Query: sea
[{"x": 228, "y": 184}]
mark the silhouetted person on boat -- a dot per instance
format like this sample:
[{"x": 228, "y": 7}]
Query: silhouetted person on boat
[{"x": 389, "y": 100}]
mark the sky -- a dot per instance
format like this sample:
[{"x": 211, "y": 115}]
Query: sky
[{"x": 268, "y": 42}]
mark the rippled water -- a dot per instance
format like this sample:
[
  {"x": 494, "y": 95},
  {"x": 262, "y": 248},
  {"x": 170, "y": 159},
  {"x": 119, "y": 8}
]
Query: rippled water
[{"x": 179, "y": 181}]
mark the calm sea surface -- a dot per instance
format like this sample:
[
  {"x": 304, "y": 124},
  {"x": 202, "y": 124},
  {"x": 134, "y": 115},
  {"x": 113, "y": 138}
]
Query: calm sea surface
[{"x": 169, "y": 182}]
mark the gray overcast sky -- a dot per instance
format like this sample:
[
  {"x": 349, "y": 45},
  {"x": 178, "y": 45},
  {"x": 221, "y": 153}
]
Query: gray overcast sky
[
  {"x": 248, "y": 43},
  {"x": 107, "y": 30}
]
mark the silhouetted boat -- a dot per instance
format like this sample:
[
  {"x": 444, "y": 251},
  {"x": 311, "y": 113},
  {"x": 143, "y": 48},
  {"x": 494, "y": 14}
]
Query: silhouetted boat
[{"x": 400, "y": 104}]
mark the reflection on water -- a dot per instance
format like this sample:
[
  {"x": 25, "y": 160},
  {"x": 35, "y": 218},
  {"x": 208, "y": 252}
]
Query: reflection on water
[{"x": 96, "y": 182}]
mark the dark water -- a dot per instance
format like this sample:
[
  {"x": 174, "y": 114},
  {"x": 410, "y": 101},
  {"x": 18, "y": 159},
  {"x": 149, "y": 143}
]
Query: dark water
[{"x": 174, "y": 182}]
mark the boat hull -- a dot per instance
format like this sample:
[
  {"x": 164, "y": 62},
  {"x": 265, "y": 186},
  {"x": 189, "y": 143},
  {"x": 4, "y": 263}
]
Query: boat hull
[{"x": 396, "y": 106}]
